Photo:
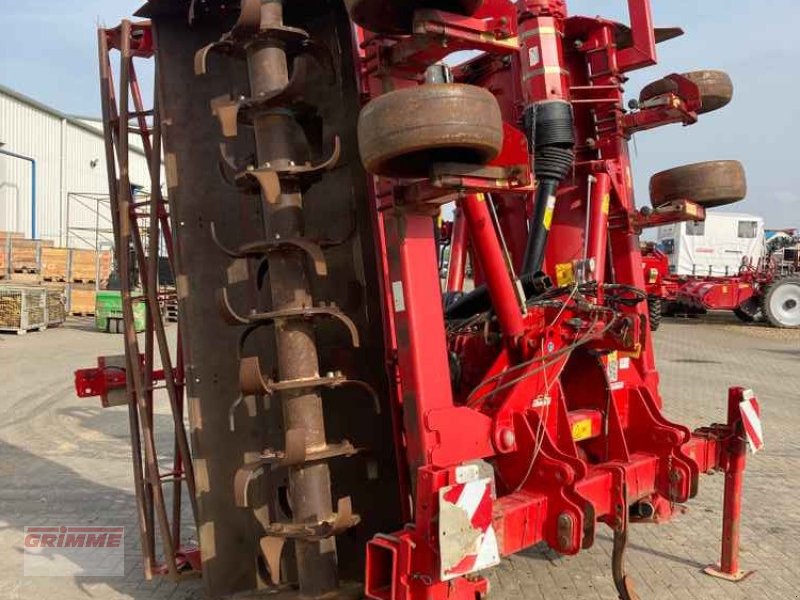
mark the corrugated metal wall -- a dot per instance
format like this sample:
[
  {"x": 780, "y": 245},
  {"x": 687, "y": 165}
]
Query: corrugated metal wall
[{"x": 70, "y": 174}]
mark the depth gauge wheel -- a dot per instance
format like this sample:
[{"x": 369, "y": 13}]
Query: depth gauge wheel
[
  {"x": 709, "y": 184},
  {"x": 781, "y": 303},
  {"x": 402, "y": 133},
  {"x": 716, "y": 89},
  {"x": 654, "y": 306},
  {"x": 397, "y": 16}
]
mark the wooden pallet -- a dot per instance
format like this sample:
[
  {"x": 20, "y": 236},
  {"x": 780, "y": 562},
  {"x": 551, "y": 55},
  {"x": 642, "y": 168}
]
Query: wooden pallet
[
  {"x": 87, "y": 266},
  {"x": 25, "y": 278},
  {"x": 81, "y": 300},
  {"x": 79, "y": 313},
  {"x": 26, "y": 254},
  {"x": 19, "y": 331},
  {"x": 55, "y": 263}
]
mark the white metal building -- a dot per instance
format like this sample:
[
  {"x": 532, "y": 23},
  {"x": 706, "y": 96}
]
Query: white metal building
[{"x": 69, "y": 202}]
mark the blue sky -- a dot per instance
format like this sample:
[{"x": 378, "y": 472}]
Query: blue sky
[{"x": 48, "y": 51}]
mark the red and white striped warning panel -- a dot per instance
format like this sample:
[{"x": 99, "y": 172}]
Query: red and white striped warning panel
[
  {"x": 751, "y": 419},
  {"x": 467, "y": 540}
]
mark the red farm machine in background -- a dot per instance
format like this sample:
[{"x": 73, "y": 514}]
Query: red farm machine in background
[
  {"x": 767, "y": 290},
  {"x": 353, "y": 431}
]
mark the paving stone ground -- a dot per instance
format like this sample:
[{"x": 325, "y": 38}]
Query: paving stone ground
[{"x": 66, "y": 461}]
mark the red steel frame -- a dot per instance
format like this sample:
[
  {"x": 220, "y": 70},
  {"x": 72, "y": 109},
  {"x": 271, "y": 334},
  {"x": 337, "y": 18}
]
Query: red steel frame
[
  {"x": 141, "y": 225},
  {"x": 627, "y": 451},
  {"x": 561, "y": 394}
]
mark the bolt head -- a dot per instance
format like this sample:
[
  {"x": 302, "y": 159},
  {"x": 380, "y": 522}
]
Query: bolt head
[{"x": 507, "y": 439}]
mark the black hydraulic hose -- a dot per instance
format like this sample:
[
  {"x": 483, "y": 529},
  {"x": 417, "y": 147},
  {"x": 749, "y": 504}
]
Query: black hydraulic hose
[
  {"x": 551, "y": 137},
  {"x": 478, "y": 300},
  {"x": 543, "y": 205}
]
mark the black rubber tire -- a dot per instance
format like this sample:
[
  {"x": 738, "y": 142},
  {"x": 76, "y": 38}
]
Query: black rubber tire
[
  {"x": 397, "y": 16},
  {"x": 750, "y": 311},
  {"x": 668, "y": 308},
  {"x": 716, "y": 89},
  {"x": 781, "y": 303},
  {"x": 402, "y": 133},
  {"x": 709, "y": 184},
  {"x": 654, "y": 306}
]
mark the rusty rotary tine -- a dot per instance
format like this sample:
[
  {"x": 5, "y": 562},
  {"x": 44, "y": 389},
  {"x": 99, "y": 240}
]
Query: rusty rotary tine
[{"x": 279, "y": 138}]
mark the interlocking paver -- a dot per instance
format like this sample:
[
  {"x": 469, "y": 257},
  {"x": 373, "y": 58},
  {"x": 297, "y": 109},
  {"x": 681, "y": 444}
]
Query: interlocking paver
[{"x": 66, "y": 461}]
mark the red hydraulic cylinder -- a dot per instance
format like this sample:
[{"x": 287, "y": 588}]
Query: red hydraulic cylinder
[
  {"x": 457, "y": 263},
  {"x": 540, "y": 32},
  {"x": 732, "y": 503},
  {"x": 597, "y": 242},
  {"x": 483, "y": 237}
]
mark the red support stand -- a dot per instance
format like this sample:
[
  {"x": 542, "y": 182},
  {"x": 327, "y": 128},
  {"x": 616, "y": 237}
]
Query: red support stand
[{"x": 728, "y": 568}]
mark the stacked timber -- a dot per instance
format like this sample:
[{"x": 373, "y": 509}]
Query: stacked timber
[
  {"x": 56, "y": 306},
  {"x": 5, "y": 252},
  {"x": 22, "y": 309},
  {"x": 55, "y": 264},
  {"x": 89, "y": 266},
  {"x": 168, "y": 299},
  {"x": 33, "y": 261},
  {"x": 82, "y": 298},
  {"x": 26, "y": 255}
]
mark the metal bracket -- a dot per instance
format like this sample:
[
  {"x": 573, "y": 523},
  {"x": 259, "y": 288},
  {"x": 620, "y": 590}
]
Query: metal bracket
[
  {"x": 232, "y": 44},
  {"x": 267, "y": 178},
  {"x": 340, "y": 522},
  {"x": 448, "y": 180},
  {"x": 256, "y": 249},
  {"x": 231, "y": 112},
  {"x": 295, "y": 453},
  {"x": 252, "y": 382},
  {"x": 272, "y": 548},
  {"x": 258, "y": 319}
]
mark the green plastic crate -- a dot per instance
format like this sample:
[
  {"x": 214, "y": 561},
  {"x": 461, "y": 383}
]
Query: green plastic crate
[{"x": 108, "y": 311}]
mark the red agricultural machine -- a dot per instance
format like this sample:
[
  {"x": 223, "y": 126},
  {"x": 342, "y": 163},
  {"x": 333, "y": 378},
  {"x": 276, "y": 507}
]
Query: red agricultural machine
[
  {"x": 767, "y": 291},
  {"x": 354, "y": 432}
]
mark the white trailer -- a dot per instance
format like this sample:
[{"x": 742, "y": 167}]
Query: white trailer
[{"x": 714, "y": 247}]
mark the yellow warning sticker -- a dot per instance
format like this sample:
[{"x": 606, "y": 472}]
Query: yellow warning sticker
[
  {"x": 612, "y": 366},
  {"x": 548, "y": 212},
  {"x": 582, "y": 430},
  {"x": 606, "y": 203},
  {"x": 565, "y": 274}
]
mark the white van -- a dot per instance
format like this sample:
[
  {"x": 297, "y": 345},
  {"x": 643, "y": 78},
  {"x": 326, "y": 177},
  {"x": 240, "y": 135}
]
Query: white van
[{"x": 714, "y": 247}]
